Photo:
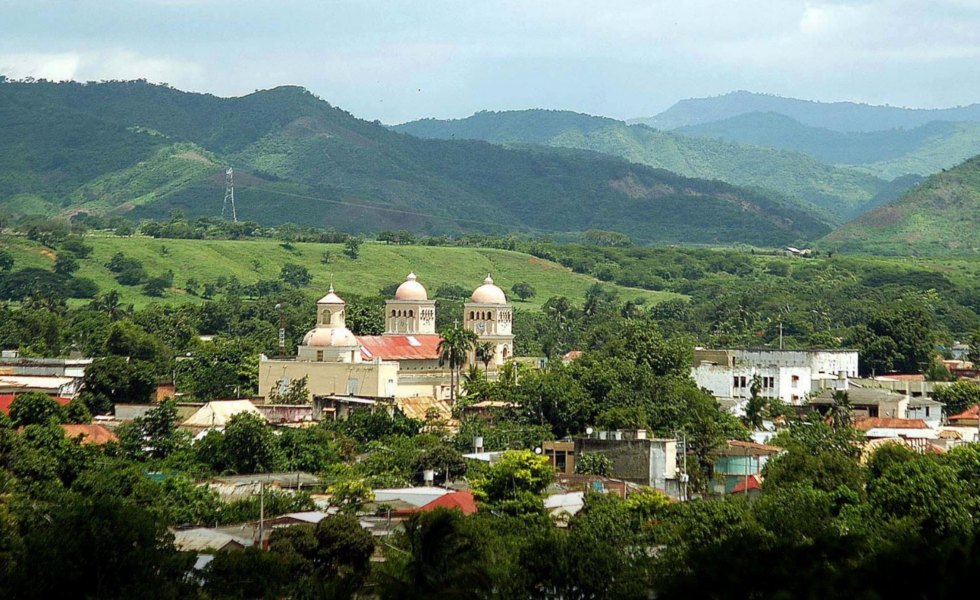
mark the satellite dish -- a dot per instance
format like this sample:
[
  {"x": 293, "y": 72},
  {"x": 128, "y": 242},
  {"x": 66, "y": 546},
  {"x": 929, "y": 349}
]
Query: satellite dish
[
  {"x": 589, "y": 430},
  {"x": 537, "y": 450}
]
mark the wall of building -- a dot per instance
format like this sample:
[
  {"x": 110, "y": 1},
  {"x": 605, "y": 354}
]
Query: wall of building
[
  {"x": 366, "y": 378},
  {"x": 645, "y": 462}
]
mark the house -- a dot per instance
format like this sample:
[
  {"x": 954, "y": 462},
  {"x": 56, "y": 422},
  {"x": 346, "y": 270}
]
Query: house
[
  {"x": 968, "y": 418},
  {"x": 789, "y": 375},
  {"x": 750, "y": 486},
  {"x": 637, "y": 459},
  {"x": 461, "y": 500},
  {"x": 416, "y": 496},
  {"x": 737, "y": 461}
]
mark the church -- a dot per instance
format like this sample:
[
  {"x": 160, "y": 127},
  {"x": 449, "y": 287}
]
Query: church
[{"x": 403, "y": 362}]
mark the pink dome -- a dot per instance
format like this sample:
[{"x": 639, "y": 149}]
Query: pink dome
[
  {"x": 411, "y": 290},
  {"x": 488, "y": 293},
  {"x": 336, "y": 337}
]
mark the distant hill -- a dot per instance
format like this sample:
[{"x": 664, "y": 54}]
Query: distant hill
[
  {"x": 940, "y": 216},
  {"x": 143, "y": 149},
  {"x": 837, "y": 116},
  {"x": 889, "y": 153},
  {"x": 841, "y": 193}
]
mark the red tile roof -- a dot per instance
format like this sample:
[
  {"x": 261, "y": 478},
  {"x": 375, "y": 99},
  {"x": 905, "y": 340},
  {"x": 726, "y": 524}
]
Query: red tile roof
[
  {"x": 91, "y": 434},
  {"x": 888, "y": 423},
  {"x": 751, "y": 483},
  {"x": 970, "y": 414},
  {"x": 400, "y": 347},
  {"x": 572, "y": 355},
  {"x": 462, "y": 500},
  {"x": 7, "y": 399}
]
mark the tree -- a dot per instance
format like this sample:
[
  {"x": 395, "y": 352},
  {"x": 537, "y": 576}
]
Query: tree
[
  {"x": 296, "y": 392},
  {"x": 593, "y": 463},
  {"x": 973, "y": 355},
  {"x": 756, "y": 405},
  {"x": 352, "y": 247},
  {"x": 957, "y": 397},
  {"x": 523, "y": 290},
  {"x": 65, "y": 263},
  {"x": 515, "y": 483},
  {"x": 113, "y": 380},
  {"x": 295, "y": 275},
  {"x": 155, "y": 434},
  {"x": 485, "y": 352},
  {"x": 455, "y": 345},
  {"x": 6, "y": 260},
  {"x": 35, "y": 408},
  {"x": 335, "y": 548},
  {"x": 249, "y": 445},
  {"x": 436, "y": 557},
  {"x": 840, "y": 412}
]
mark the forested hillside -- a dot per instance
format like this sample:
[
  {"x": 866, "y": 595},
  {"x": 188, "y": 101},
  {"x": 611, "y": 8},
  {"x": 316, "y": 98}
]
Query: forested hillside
[
  {"x": 841, "y": 193},
  {"x": 839, "y": 116},
  {"x": 890, "y": 153},
  {"x": 940, "y": 216},
  {"x": 144, "y": 149}
]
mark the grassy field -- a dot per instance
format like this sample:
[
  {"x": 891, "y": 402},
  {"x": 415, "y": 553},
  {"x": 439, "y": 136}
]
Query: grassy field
[{"x": 377, "y": 266}]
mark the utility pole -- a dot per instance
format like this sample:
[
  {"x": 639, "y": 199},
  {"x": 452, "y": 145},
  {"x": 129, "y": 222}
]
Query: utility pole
[
  {"x": 229, "y": 195},
  {"x": 282, "y": 332},
  {"x": 780, "y": 335},
  {"x": 261, "y": 511}
]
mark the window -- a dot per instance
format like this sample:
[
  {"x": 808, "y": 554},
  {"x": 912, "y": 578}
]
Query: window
[
  {"x": 319, "y": 356},
  {"x": 795, "y": 381},
  {"x": 768, "y": 382}
]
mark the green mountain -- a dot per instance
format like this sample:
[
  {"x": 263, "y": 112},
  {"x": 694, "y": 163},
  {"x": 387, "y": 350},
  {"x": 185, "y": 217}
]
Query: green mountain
[
  {"x": 144, "y": 149},
  {"x": 889, "y": 153},
  {"x": 940, "y": 216},
  {"x": 838, "y": 116},
  {"x": 841, "y": 193}
]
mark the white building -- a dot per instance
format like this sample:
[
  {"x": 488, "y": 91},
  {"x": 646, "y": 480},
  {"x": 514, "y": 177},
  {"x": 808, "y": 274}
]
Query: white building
[{"x": 785, "y": 374}]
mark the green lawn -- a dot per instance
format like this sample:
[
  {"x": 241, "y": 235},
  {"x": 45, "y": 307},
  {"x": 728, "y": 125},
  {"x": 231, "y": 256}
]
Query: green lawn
[{"x": 378, "y": 265}]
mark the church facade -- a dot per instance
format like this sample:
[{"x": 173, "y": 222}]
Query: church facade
[{"x": 401, "y": 363}]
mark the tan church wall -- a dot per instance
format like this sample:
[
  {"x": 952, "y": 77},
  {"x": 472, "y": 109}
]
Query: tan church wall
[{"x": 372, "y": 379}]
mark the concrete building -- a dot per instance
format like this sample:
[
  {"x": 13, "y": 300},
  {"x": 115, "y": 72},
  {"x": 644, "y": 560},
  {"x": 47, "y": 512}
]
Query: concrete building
[
  {"x": 637, "y": 459},
  {"x": 789, "y": 375}
]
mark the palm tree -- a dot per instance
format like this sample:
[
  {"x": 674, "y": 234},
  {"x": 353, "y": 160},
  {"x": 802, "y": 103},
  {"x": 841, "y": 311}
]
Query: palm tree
[
  {"x": 485, "y": 352},
  {"x": 840, "y": 412},
  {"x": 438, "y": 558},
  {"x": 456, "y": 344}
]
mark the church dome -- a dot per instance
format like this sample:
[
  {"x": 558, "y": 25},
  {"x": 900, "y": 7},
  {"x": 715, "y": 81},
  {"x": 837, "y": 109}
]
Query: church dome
[
  {"x": 335, "y": 337},
  {"x": 488, "y": 293},
  {"x": 411, "y": 290}
]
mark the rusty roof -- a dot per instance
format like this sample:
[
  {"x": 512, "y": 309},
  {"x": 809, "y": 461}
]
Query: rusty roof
[
  {"x": 7, "y": 399},
  {"x": 417, "y": 407},
  {"x": 868, "y": 423},
  {"x": 969, "y": 414},
  {"x": 748, "y": 448},
  {"x": 747, "y": 484},
  {"x": 400, "y": 347},
  {"x": 90, "y": 434}
]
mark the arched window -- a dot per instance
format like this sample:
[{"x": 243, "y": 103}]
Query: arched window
[
  {"x": 504, "y": 352},
  {"x": 392, "y": 312},
  {"x": 411, "y": 313},
  {"x": 472, "y": 315}
]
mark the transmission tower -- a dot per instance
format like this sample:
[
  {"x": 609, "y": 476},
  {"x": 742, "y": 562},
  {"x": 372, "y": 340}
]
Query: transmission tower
[{"x": 229, "y": 195}]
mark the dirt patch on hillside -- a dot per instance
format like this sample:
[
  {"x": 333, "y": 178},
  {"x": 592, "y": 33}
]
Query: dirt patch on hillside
[
  {"x": 47, "y": 253},
  {"x": 194, "y": 155},
  {"x": 635, "y": 189}
]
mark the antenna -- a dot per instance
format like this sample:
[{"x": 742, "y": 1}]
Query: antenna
[{"x": 229, "y": 195}]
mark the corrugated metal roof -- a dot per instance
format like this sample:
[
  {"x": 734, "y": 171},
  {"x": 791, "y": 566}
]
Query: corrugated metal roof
[
  {"x": 198, "y": 539},
  {"x": 400, "y": 347},
  {"x": 417, "y": 407},
  {"x": 217, "y": 413}
]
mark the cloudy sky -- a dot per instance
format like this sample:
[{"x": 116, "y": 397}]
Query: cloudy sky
[{"x": 402, "y": 59}]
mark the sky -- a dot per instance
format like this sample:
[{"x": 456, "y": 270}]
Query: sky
[{"x": 400, "y": 60}]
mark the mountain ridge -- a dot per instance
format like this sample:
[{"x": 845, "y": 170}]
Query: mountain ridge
[
  {"x": 307, "y": 161},
  {"x": 838, "y": 116}
]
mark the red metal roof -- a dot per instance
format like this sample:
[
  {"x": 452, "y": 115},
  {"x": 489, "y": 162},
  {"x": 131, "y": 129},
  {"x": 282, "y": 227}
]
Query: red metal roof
[
  {"x": 400, "y": 347},
  {"x": 886, "y": 423},
  {"x": 751, "y": 483},
  {"x": 463, "y": 500},
  {"x": 7, "y": 399}
]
